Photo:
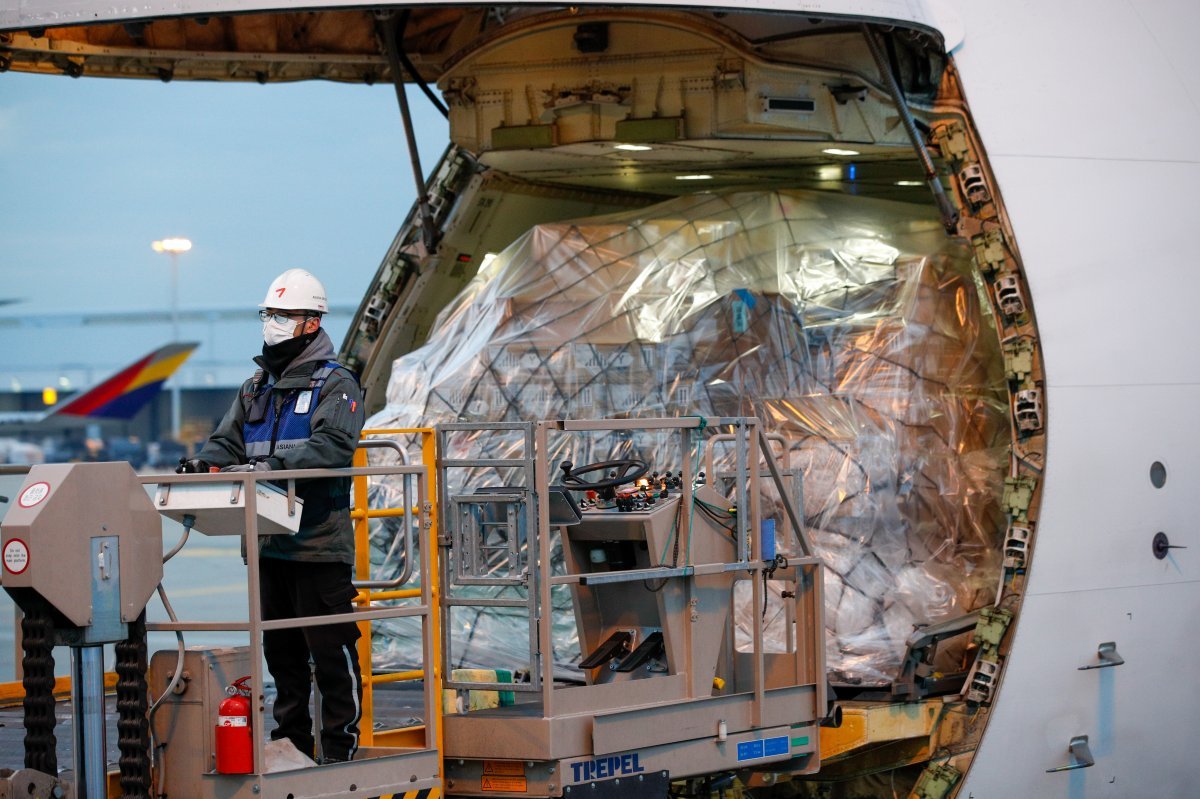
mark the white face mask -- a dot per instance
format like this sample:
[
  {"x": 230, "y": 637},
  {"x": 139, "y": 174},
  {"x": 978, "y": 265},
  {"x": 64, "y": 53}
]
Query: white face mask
[{"x": 275, "y": 332}]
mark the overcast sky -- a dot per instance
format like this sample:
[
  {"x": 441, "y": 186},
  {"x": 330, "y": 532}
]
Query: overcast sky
[{"x": 261, "y": 178}]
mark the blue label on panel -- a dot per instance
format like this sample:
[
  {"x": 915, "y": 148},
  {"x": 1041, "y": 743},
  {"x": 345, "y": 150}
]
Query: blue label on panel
[
  {"x": 768, "y": 747},
  {"x": 750, "y": 750},
  {"x": 775, "y": 746}
]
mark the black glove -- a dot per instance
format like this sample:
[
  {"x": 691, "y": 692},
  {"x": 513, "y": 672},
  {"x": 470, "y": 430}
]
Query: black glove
[
  {"x": 260, "y": 466},
  {"x": 191, "y": 466}
]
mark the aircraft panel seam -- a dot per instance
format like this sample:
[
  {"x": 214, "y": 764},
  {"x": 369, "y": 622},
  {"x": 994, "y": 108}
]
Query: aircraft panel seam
[
  {"x": 1064, "y": 157},
  {"x": 1107, "y": 588}
]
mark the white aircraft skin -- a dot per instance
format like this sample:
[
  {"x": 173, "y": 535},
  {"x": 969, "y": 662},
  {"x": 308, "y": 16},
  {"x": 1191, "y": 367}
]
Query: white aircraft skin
[
  {"x": 1090, "y": 116},
  {"x": 1090, "y": 113}
]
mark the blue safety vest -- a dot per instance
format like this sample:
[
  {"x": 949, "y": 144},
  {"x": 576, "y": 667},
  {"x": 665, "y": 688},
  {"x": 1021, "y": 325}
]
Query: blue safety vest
[
  {"x": 279, "y": 429},
  {"x": 273, "y": 427}
]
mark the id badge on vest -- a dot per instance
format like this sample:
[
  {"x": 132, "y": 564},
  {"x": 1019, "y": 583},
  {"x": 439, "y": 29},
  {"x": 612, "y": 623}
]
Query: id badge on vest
[{"x": 304, "y": 401}]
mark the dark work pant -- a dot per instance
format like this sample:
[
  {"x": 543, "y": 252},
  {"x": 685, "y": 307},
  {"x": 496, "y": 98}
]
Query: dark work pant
[{"x": 290, "y": 589}]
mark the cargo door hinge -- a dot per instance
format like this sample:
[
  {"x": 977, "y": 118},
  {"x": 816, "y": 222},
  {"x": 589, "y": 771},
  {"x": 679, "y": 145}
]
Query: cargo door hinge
[
  {"x": 989, "y": 631},
  {"x": 1018, "y": 360},
  {"x": 936, "y": 782},
  {"x": 951, "y": 139},
  {"x": 1018, "y": 494},
  {"x": 990, "y": 252}
]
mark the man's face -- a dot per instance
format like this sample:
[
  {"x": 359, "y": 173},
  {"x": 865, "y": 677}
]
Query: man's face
[{"x": 302, "y": 321}]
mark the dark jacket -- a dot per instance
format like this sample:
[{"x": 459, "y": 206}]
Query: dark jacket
[{"x": 326, "y": 534}]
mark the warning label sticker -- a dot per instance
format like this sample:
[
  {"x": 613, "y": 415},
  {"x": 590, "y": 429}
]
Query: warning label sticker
[
  {"x": 16, "y": 556},
  {"x": 497, "y": 783},
  {"x": 504, "y": 768},
  {"x": 33, "y": 495}
]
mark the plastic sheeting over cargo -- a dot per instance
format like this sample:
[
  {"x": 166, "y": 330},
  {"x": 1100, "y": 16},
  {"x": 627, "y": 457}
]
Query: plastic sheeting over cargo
[{"x": 852, "y": 327}]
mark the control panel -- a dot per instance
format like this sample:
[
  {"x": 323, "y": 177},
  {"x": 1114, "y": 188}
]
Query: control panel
[{"x": 644, "y": 494}]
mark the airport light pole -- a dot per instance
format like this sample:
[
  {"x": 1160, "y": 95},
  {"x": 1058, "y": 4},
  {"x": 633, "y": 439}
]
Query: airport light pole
[{"x": 174, "y": 248}]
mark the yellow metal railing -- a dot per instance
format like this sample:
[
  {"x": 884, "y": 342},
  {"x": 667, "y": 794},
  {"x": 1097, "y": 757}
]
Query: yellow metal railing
[
  {"x": 12, "y": 693},
  {"x": 362, "y": 514},
  {"x": 378, "y": 513}
]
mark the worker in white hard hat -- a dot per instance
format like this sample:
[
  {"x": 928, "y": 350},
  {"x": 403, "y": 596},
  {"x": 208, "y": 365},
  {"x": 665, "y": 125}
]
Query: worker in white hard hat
[{"x": 302, "y": 410}]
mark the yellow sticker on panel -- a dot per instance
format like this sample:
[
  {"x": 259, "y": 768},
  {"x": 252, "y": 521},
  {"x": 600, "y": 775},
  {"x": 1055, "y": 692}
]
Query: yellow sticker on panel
[
  {"x": 493, "y": 783},
  {"x": 504, "y": 768}
]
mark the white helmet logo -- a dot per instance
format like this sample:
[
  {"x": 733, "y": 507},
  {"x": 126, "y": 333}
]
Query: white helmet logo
[{"x": 296, "y": 290}]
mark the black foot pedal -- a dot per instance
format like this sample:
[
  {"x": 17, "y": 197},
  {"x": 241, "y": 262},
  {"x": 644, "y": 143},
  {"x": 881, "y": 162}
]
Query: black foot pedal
[
  {"x": 651, "y": 647},
  {"x": 616, "y": 645}
]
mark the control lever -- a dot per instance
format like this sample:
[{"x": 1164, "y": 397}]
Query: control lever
[
  {"x": 917, "y": 678},
  {"x": 651, "y": 647},
  {"x": 616, "y": 645}
]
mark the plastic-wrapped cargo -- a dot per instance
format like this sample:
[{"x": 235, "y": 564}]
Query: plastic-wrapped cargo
[{"x": 854, "y": 328}]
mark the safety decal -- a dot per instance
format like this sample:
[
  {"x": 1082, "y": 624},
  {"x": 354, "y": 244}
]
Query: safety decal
[
  {"x": 504, "y": 768},
  {"x": 765, "y": 747},
  {"x": 497, "y": 783},
  {"x": 503, "y": 775},
  {"x": 16, "y": 556},
  {"x": 33, "y": 495}
]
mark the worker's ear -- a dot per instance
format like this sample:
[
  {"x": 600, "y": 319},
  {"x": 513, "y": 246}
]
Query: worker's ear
[{"x": 311, "y": 324}]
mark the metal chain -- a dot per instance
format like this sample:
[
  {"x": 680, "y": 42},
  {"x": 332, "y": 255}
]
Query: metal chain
[
  {"x": 133, "y": 727},
  {"x": 37, "y": 661}
]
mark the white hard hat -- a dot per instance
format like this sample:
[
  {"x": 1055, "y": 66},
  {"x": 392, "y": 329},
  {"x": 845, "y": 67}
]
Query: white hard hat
[{"x": 296, "y": 290}]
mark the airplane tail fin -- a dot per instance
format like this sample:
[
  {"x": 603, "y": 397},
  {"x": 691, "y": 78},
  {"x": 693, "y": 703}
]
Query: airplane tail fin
[{"x": 129, "y": 390}]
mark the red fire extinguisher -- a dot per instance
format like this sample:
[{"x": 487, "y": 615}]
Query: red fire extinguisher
[{"x": 235, "y": 748}]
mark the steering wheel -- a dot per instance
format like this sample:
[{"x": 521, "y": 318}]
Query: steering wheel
[{"x": 571, "y": 476}]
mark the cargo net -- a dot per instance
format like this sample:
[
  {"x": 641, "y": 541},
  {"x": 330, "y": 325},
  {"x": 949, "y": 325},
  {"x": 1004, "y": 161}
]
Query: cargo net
[{"x": 853, "y": 328}]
